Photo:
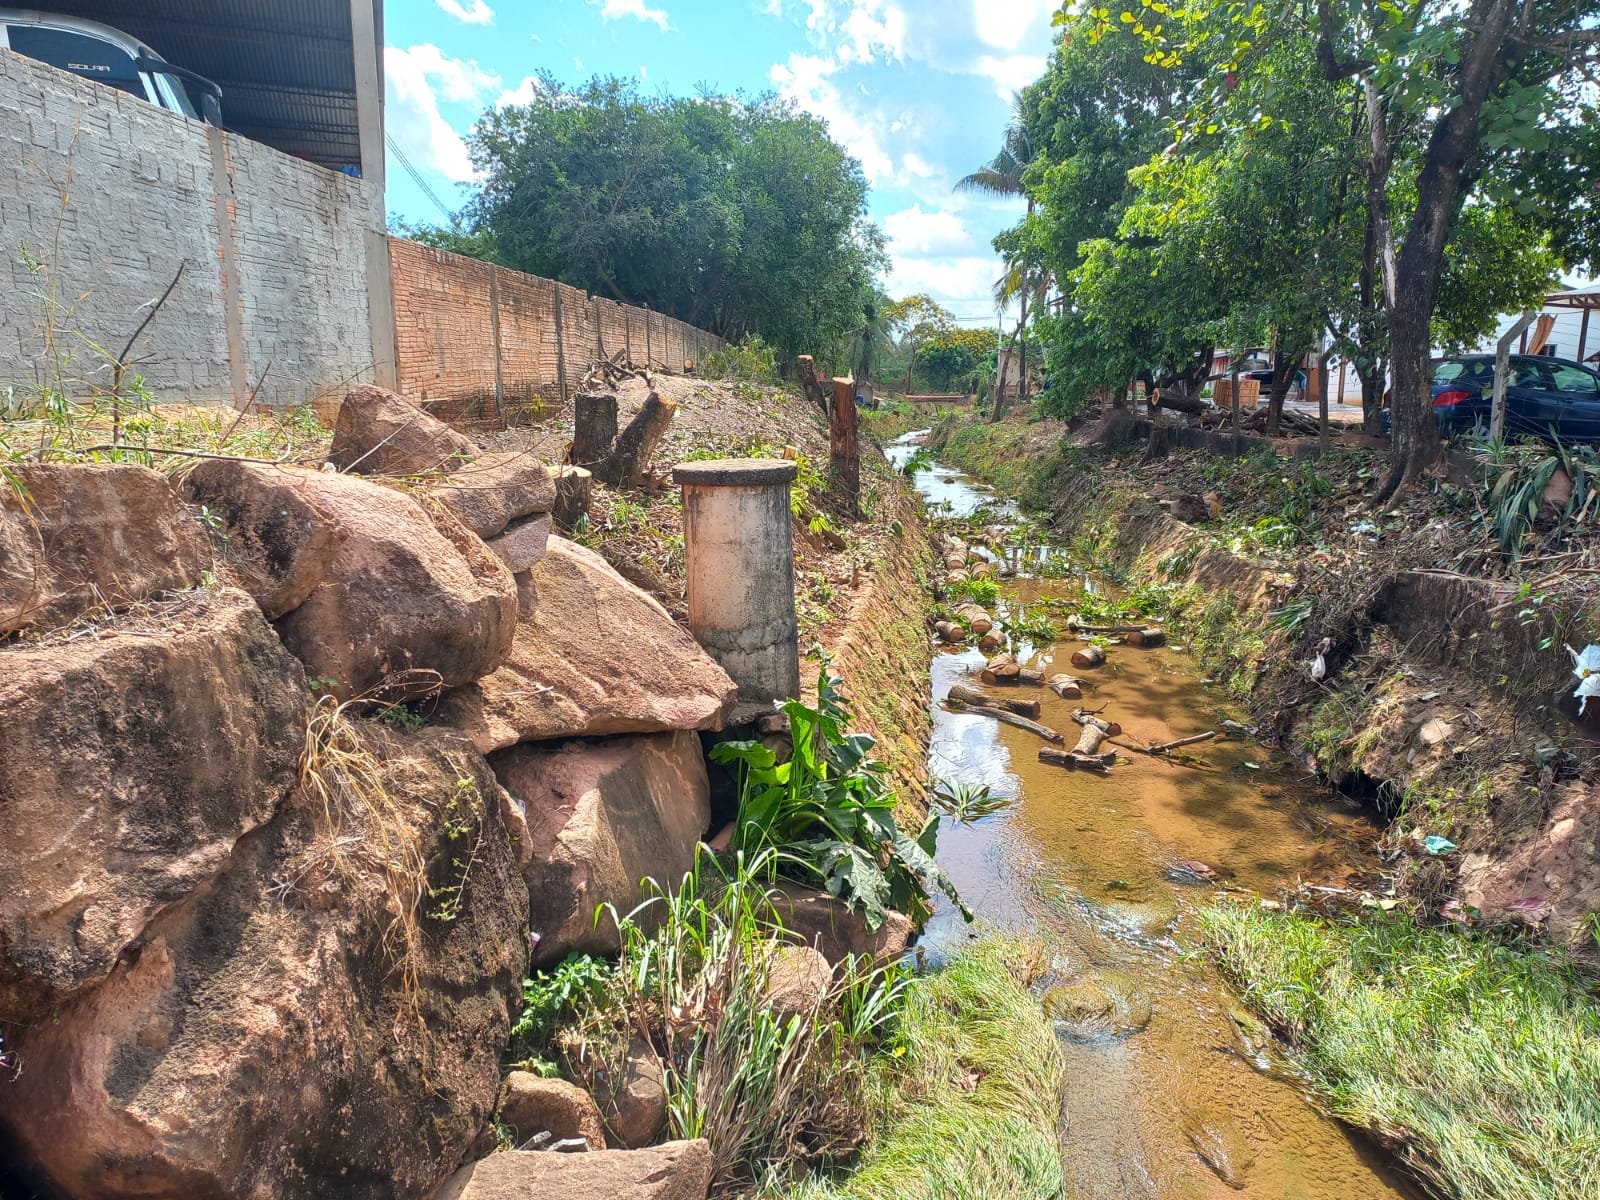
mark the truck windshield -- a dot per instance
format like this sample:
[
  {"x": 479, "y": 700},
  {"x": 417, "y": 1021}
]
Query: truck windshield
[{"x": 82, "y": 55}]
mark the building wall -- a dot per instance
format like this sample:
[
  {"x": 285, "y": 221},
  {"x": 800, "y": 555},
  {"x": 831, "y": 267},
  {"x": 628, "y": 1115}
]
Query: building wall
[
  {"x": 108, "y": 195},
  {"x": 483, "y": 344}
]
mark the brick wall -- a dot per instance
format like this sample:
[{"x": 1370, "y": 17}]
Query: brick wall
[
  {"x": 479, "y": 344},
  {"x": 110, "y": 194}
]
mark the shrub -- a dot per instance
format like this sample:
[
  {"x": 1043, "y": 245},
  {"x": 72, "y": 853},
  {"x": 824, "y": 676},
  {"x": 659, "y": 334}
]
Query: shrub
[
  {"x": 827, "y": 816},
  {"x": 751, "y": 360}
]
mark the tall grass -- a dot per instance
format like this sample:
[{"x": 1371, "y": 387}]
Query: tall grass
[
  {"x": 1479, "y": 1061},
  {"x": 967, "y": 1107}
]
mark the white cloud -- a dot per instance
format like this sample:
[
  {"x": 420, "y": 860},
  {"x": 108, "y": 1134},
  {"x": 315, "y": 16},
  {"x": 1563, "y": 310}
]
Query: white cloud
[
  {"x": 915, "y": 231},
  {"x": 964, "y": 282},
  {"x": 805, "y": 80},
  {"x": 616, "y": 10},
  {"x": 1005, "y": 24},
  {"x": 417, "y": 80},
  {"x": 474, "y": 12},
  {"x": 1010, "y": 73}
]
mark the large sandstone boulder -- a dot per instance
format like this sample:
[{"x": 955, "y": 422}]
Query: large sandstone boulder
[
  {"x": 496, "y": 489},
  {"x": 74, "y": 539},
  {"x": 672, "y": 1171},
  {"x": 130, "y": 765},
  {"x": 378, "y": 433},
  {"x": 531, "y": 1105},
  {"x": 278, "y": 1035},
  {"x": 279, "y": 542},
  {"x": 602, "y": 816},
  {"x": 594, "y": 656},
  {"x": 406, "y": 590},
  {"x": 837, "y": 931}
]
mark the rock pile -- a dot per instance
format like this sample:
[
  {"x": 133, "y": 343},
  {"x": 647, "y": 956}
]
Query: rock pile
[{"x": 253, "y": 945}]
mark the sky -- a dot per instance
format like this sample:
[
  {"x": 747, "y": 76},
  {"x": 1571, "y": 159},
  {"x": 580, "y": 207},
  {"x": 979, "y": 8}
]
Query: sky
[{"x": 918, "y": 90}]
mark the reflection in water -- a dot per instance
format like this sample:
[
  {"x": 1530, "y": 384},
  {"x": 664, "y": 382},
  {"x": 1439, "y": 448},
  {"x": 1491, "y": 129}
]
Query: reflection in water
[{"x": 1172, "y": 1091}]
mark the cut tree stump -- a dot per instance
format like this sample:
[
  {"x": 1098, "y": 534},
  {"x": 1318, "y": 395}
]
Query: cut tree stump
[
  {"x": 594, "y": 427},
  {"x": 629, "y": 459},
  {"x": 1005, "y": 669},
  {"x": 972, "y": 695},
  {"x": 844, "y": 445},
  {"x": 1149, "y": 637},
  {"x": 1068, "y": 687},
  {"x": 949, "y": 631},
  {"x": 1005, "y": 718},
  {"x": 574, "y": 487},
  {"x": 812, "y": 385},
  {"x": 990, "y": 642},
  {"x": 1088, "y": 657}
]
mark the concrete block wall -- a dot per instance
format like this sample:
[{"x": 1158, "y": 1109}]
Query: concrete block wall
[{"x": 110, "y": 194}]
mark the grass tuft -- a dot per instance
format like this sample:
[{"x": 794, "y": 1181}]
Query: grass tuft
[
  {"x": 967, "y": 1107},
  {"x": 1479, "y": 1061}
]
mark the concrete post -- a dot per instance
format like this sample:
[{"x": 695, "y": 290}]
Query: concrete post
[{"x": 739, "y": 549}]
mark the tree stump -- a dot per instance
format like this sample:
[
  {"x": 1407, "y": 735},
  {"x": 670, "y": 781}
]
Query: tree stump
[
  {"x": 1068, "y": 687},
  {"x": 574, "y": 486},
  {"x": 594, "y": 428},
  {"x": 844, "y": 445},
  {"x": 625, "y": 466},
  {"x": 812, "y": 385}
]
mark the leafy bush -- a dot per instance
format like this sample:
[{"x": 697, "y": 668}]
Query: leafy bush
[
  {"x": 553, "y": 997},
  {"x": 751, "y": 360},
  {"x": 827, "y": 815}
]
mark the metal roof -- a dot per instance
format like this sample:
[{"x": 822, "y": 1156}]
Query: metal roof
[{"x": 286, "y": 67}]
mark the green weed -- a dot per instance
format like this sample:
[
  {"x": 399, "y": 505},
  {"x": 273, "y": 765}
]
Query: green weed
[{"x": 1478, "y": 1058}]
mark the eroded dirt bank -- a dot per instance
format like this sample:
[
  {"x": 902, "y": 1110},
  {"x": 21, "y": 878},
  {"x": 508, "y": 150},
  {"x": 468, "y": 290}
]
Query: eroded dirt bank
[{"x": 1445, "y": 700}]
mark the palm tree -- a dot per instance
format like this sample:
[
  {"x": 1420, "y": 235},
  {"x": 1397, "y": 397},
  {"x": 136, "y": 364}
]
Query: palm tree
[
  {"x": 870, "y": 337},
  {"x": 1003, "y": 177}
]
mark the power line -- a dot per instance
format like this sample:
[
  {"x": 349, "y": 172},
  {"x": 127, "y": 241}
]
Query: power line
[{"x": 416, "y": 177}]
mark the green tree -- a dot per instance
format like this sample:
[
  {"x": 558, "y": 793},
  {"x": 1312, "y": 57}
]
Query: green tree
[{"x": 737, "y": 215}]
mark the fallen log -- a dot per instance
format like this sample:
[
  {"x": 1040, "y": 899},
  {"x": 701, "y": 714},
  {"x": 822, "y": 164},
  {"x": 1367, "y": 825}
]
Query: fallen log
[
  {"x": 1068, "y": 687},
  {"x": 1089, "y": 720},
  {"x": 982, "y": 569},
  {"x": 629, "y": 459},
  {"x": 972, "y": 695},
  {"x": 594, "y": 428},
  {"x": 949, "y": 631},
  {"x": 1164, "y": 747},
  {"x": 1176, "y": 400},
  {"x": 990, "y": 642},
  {"x": 1088, "y": 657},
  {"x": 976, "y": 617},
  {"x": 955, "y": 562},
  {"x": 1076, "y": 625},
  {"x": 1149, "y": 637},
  {"x": 1005, "y": 718},
  {"x": 1078, "y": 761},
  {"x": 1005, "y": 669}
]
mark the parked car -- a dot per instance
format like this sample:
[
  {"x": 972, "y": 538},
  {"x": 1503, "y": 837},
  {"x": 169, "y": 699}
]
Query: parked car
[
  {"x": 1262, "y": 373},
  {"x": 1545, "y": 396},
  {"x": 109, "y": 56}
]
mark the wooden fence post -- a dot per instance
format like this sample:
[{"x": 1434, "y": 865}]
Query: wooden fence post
[{"x": 844, "y": 444}]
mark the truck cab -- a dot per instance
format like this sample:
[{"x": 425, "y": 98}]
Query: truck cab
[{"x": 108, "y": 56}]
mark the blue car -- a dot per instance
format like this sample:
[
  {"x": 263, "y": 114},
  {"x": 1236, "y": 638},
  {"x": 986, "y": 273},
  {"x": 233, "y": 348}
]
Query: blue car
[{"x": 1544, "y": 395}]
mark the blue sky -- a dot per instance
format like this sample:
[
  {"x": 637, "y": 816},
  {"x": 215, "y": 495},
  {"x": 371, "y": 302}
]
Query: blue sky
[{"x": 917, "y": 90}]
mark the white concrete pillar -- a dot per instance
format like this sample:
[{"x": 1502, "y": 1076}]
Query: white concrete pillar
[{"x": 739, "y": 550}]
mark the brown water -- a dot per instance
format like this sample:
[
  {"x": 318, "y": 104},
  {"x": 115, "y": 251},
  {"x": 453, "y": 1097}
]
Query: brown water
[{"x": 1088, "y": 865}]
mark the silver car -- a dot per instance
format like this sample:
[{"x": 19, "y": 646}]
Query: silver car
[{"x": 108, "y": 56}]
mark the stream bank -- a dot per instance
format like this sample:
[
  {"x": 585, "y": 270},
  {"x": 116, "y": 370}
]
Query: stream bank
[
  {"x": 1461, "y": 1050},
  {"x": 1170, "y": 1087},
  {"x": 1446, "y": 702}
]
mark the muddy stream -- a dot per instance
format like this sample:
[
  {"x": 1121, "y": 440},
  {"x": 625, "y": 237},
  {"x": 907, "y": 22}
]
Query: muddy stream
[{"x": 1172, "y": 1090}]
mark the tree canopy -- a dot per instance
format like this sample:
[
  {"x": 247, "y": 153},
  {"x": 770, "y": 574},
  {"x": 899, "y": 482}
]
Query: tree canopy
[
  {"x": 1371, "y": 178},
  {"x": 741, "y": 216}
]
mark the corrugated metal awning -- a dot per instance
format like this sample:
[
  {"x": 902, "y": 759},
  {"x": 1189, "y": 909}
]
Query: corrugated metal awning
[{"x": 286, "y": 67}]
